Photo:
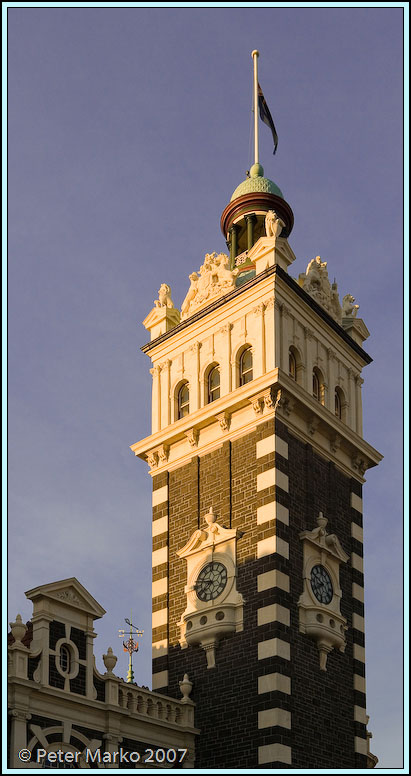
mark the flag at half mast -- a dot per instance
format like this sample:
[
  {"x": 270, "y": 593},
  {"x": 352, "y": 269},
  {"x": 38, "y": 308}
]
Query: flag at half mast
[{"x": 265, "y": 116}]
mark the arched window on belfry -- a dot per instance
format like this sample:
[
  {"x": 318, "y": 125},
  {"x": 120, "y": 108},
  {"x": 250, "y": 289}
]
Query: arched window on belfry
[
  {"x": 246, "y": 366},
  {"x": 183, "y": 401},
  {"x": 213, "y": 384}
]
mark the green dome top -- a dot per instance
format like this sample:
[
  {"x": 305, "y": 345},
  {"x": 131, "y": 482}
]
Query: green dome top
[{"x": 256, "y": 182}]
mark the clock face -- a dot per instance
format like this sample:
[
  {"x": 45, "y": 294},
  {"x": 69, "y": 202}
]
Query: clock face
[
  {"x": 321, "y": 584},
  {"x": 211, "y": 581}
]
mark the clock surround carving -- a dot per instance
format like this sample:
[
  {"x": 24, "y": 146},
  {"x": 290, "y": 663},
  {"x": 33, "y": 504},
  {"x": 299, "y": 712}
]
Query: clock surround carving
[
  {"x": 214, "y": 607},
  {"x": 319, "y": 610}
]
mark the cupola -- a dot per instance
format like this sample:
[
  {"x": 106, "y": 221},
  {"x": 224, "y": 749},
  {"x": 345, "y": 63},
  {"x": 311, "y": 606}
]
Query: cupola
[{"x": 242, "y": 220}]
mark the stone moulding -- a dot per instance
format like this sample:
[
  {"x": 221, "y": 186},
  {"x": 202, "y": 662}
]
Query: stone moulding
[{"x": 351, "y": 452}]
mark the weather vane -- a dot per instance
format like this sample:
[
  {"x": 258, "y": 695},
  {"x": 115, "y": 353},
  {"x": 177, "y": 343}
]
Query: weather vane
[{"x": 130, "y": 645}]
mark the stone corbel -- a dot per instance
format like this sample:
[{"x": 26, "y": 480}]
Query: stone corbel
[
  {"x": 224, "y": 419},
  {"x": 257, "y": 404},
  {"x": 163, "y": 453},
  {"x": 152, "y": 459},
  {"x": 283, "y": 402},
  {"x": 268, "y": 399},
  {"x": 359, "y": 464},
  {"x": 335, "y": 443},
  {"x": 193, "y": 435},
  {"x": 210, "y": 653},
  {"x": 312, "y": 424}
]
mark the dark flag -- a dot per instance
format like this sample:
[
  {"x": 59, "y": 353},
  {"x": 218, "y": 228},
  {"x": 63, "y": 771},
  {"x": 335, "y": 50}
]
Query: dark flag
[{"x": 265, "y": 116}]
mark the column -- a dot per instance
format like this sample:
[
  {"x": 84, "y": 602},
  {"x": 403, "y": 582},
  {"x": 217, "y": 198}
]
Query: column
[
  {"x": 358, "y": 404},
  {"x": 195, "y": 398},
  {"x": 285, "y": 315},
  {"x": 277, "y": 334},
  {"x": 155, "y": 399},
  {"x": 352, "y": 410},
  {"x": 259, "y": 349},
  {"x": 233, "y": 244},
  {"x": 250, "y": 219},
  {"x": 90, "y": 636},
  {"x": 309, "y": 338}
]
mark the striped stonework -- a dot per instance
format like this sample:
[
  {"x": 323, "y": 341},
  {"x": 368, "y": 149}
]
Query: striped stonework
[
  {"x": 273, "y": 612},
  {"x": 360, "y": 720},
  {"x": 160, "y": 582}
]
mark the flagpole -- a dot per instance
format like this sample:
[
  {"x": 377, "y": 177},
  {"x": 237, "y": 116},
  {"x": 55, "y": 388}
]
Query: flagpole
[{"x": 255, "y": 54}]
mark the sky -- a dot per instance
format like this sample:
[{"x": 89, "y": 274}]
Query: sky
[{"x": 128, "y": 130}]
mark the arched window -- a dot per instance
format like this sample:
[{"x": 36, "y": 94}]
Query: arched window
[
  {"x": 318, "y": 386},
  {"x": 65, "y": 659},
  {"x": 292, "y": 365},
  {"x": 213, "y": 384},
  {"x": 246, "y": 366},
  {"x": 339, "y": 403},
  {"x": 183, "y": 401}
]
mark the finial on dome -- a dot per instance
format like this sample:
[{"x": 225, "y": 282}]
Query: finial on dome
[{"x": 256, "y": 171}]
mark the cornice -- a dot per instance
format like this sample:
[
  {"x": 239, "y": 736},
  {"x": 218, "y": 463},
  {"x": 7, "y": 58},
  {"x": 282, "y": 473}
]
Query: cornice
[
  {"x": 207, "y": 310},
  {"x": 310, "y": 421},
  {"x": 292, "y": 284}
]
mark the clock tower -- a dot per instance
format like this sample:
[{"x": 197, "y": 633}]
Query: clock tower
[{"x": 257, "y": 462}]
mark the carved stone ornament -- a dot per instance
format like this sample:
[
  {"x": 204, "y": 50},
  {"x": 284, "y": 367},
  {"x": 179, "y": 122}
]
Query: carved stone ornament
[
  {"x": 316, "y": 283},
  {"x": 335, "y": 443},
  {"x": 193, "y": 436},
  {"x": 163, "y": 453},
  {"x": 152, "y": 459},
  {"x": 283, "y": 402},
  {"x": 214, "y": 279},
  {"x": 268, "y": 399},
  {"x": 214, "y": 607},
  {"x": 109, "y": 660},
  {"x": 320, "y": 616},
  {"x": 360, "y": 464},
  {"x": 349, "y": 309},
  {"x": 257, "y": 404},
  {"x": 69, "y": 596},
  {"x": 18, "y": 629},
  {"x": 164, "y": 297},
  {"x": 224, "y": 419},
  {"x": 312, "y": 424},
  {"x": 185, "y": 686},
  {"x": 273, "y": 224}
]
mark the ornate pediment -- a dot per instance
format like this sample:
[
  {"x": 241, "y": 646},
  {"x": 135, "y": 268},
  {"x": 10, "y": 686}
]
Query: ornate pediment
[
  {"x": 211, "y": 536},
  {"x": 316, "y": 283},
  {"x": 325, "y": 541},
  {"x": 70, "y": 592},
  {"x": 213, "y": 279}
]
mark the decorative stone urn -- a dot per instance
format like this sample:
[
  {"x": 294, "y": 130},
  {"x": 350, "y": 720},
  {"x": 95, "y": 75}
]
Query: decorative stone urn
[
  {"x": 110, "y": 660},
  {"x": 185, "y": 687},
  {"x": 18, "y": 628}
]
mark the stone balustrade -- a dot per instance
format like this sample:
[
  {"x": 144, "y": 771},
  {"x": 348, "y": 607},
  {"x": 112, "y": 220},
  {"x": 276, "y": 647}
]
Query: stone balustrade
[{"x": 155, "y": 706}]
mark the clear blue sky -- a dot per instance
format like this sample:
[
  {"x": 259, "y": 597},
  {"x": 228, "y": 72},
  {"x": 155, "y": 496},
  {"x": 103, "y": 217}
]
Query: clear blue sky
[{"x": 129, "y": 129}]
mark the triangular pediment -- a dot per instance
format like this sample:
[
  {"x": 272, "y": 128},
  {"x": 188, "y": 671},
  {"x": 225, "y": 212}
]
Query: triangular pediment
[{"x": 70, "y": 592}]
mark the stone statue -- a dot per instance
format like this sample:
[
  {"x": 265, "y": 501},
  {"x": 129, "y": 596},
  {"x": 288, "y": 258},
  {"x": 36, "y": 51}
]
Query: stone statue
[
  {"x": 316, "y": 283},
  {"x": 164, "y": 297},
  {"x": 273, "y": 224},
  {"x": 224, "y": 274},
  {"x": 191, "y": 293},
  {"x": 349, "y": 309},
  {"x": 213, "y": 279}
]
